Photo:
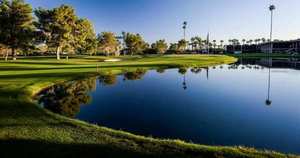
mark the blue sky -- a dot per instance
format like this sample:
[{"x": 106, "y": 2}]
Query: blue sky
[{"x": 162, "y": 19}]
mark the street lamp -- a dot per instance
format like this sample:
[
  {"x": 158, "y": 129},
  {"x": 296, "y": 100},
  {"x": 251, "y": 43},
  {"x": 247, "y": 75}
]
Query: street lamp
[
  {"x": 184, "y": 28},
  {"x": 271, "y": 8}
]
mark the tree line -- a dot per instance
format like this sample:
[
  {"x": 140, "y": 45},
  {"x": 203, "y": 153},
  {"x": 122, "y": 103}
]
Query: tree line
[{"x": 59, "y": 30}]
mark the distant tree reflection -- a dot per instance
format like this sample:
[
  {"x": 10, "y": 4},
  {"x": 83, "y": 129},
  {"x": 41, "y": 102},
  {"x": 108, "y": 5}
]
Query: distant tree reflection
[
  {"x": 135, "y": 75},
  {"x": 182, "y": 70},
  {"x": 108, "y": 79},
  {"x": 196, "y": 70},
  {"x": 66, "y": 98},
  {"x": 160, "y": 70}
]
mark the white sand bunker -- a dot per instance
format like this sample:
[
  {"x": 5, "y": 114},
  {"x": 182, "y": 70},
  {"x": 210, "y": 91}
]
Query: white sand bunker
[{"x": 112, "y": 60}]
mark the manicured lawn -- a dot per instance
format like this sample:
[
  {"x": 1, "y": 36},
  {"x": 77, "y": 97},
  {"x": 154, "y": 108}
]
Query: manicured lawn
[{"x": 27, "y": 130}]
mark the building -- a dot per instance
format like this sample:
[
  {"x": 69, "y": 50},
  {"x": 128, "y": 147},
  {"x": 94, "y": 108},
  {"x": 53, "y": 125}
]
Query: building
[
  {"x": 243, "y": 48},
  {"x": 292, "y": 46}
]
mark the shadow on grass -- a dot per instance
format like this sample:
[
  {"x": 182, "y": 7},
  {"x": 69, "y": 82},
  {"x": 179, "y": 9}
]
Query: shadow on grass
[
  {"x": 121, "y": 66},
  {"x": 38, "y": 63},
  {"x": 42, "y": 75},
  {"x": 14, "y": 68},
  {"x": 30, "y": 148}
]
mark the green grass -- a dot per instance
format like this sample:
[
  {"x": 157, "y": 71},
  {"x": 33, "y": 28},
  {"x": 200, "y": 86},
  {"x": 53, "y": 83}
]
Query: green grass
[{"x": 27, "y": 130}]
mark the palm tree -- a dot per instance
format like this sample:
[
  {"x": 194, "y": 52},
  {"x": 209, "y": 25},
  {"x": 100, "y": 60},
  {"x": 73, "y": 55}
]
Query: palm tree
[
  {"x": 193, "y": 42},
  {"x": 251, "y": 41},
  {"x": 237, "y": 42},
  {"x": 204, "y": 42},
  {"x": 243, "y": 40},
  {"x": 230, "y": 41},
  {"x": 258, "y": 40},
  {"x": 199, "y": 42},
  {"x": 221, "y": 41},
  {"x": 214, "y": 45}
]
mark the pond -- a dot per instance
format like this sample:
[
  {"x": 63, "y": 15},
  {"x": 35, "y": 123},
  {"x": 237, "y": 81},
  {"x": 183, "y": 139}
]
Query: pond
[{"x": 245, "y": 103}]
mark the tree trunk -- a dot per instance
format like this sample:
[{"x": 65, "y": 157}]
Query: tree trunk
[
  {"x": 6, "y": 55},
  {"x": 58, "y": 53},
  {"x": 14, "y": 55}
]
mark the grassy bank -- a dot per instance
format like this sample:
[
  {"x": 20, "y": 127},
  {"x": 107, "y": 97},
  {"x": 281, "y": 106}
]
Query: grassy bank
[{"x": 29, "y": 131}]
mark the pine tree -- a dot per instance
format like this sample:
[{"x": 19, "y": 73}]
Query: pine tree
[{"x": 16, "y": 25}]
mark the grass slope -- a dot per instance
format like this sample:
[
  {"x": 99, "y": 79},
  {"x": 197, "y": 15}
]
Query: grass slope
[{"x": 29, "y": 131}]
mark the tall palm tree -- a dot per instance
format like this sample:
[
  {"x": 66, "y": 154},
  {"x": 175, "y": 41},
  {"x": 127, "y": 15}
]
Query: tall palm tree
[
  {"x": 256, "y": 43},
  {"x": 230, "y": 41},
  {"x": 214, "y": 44},
  {"x": 259, "y": 40},
  {"x": 204, "y": 42},
  {"x": 243, "y": 40},
  {"x": 251, "y": 41},
  {"x": 221, "y": 42}
]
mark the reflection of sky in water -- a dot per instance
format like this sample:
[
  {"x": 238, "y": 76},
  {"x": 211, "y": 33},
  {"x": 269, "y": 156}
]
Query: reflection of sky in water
[{"x": 224, "y": 107}]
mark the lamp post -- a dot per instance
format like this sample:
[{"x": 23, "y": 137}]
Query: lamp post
[
  {"x": 184, "y": 29},
  {"x": 271, "y": 8}
]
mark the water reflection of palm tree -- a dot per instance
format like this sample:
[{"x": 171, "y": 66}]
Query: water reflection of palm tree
[
  {"x": 196, "y": 70},
  {"x": 184, "y": 85},
  {"x": 183, "y": 71}
]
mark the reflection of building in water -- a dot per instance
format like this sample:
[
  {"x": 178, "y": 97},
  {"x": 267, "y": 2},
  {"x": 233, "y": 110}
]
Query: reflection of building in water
[{"x": 274, "y": 63}]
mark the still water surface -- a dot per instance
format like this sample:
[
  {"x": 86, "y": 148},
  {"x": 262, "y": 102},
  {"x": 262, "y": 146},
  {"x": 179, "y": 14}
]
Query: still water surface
[{"x": 222, "y": 105}]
